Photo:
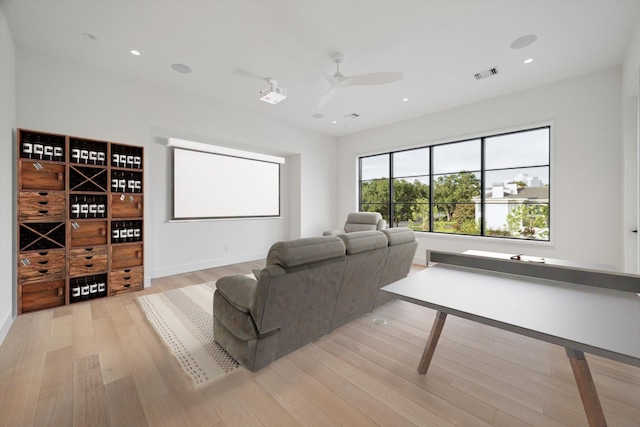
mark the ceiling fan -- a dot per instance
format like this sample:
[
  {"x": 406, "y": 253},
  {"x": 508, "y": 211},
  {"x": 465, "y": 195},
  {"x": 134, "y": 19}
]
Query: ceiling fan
[{"x": 339, "y": 80}]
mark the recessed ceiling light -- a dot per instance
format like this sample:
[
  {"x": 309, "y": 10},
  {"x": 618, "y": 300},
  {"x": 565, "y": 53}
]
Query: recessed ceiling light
[
  {"x": 90, "y": 36},
  {"x": 334, "y": 122},
  {"x": 317, "y": 116},
  {"x": 405, "y": 99},
  {"x": 135, "y": 52},
  {"x": 524, "y": 41},
  {"x": 181, "y": 68},
  {"x": 528, "y": 61}
]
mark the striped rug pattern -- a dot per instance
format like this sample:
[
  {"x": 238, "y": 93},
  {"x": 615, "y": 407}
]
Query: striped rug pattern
[{"x": 183, "y": 318}]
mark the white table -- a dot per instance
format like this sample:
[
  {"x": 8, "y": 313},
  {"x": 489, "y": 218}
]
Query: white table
[{"x": 600, "y": 318}]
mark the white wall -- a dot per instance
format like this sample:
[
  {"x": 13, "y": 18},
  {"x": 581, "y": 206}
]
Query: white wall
[
  {"x": 7, "y": 216},
  {"x": 586, "y": 163},
  {"x": 631, "y": 124},
  {"x": 68, "y": 98}
]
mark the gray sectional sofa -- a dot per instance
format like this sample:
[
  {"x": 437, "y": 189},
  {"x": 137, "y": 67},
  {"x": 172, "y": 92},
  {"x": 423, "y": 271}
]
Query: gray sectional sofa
[{"x": 308, "y": 288}]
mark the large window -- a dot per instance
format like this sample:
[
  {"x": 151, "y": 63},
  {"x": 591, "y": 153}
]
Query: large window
[{"x": 496, "y": 186}]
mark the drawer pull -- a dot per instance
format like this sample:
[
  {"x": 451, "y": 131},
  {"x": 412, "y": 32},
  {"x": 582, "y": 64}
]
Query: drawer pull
[
  {"x": 60, "y": 292},
  {"x": 43, "y": 212},
  {"x": 43, "y": 262},
  {"x": 60, "y": 176},
  {"x": 128, "y": 270},
  {"x": 43, "y": 195},
  {"x": 89, "y": 257},
  {"x": 127, "y": 278},
  {"x": 43, "y": 271},
  {"x": 88, "y": 249},
  {"x": 126, "y": 285},
  {"x": 103, "y": 232},
  {"x": 88, "y": 265},
  {"x": 43, "y": 253},
  {"x": 138, "y": 254},
  {"x": 43, "y": 202}
]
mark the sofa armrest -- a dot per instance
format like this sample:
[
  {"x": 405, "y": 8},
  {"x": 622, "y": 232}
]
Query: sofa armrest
[{"x": 239, "y": 290}]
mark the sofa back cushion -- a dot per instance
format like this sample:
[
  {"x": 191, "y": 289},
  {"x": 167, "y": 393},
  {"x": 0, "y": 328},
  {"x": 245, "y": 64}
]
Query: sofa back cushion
[
  {"x": 362, "y": 221},
  {"x": 402, "y": 249},
  {"x": 299, "y": 252},
  {"x": 366, "y": 256},
  {"x": 297, "y": 291}
]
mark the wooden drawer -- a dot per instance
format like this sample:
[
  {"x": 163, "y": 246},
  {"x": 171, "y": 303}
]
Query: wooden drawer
[
  {"x": 126, "y": 280},
  {"x": 88, "y": 233},
  {"x": 43, "y": 206},
  {"x": 41, "y": 266},
  {"x": 123, "y": 256},
  {"x": 130, "y": 207},
  {"x": 38, "y": 296},
  {"x": 48, "y": 176},
  {"x": 92, "y": 260}
]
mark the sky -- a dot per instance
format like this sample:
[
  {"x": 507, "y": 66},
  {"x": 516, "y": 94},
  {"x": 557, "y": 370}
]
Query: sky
[{"x": 521, "y": 150}]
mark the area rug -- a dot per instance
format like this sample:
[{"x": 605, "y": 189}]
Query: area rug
[{"x": 183, "y": 318}]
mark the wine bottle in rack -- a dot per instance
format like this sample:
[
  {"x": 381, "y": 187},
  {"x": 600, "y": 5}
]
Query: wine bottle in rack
[
  {"x": 130, "y": 232},
  {"x": 137, "y": 160},
  {"x": 84, "y": 153},
  {"x": 115, "y": 233},
  {"x": 84, "y": 208},
  {"x": 93, "y": 287},
  {"x": 122, "y": 182},
  {"x": 58, "y": 153},
  {"x": 137, "y": 233},
  {"x": 130, "y": 158},
  {"x": 131, "y": 183},
  {"x": 93, "y": 207},
  {"x": 102, "y": 287},
  {"x": 102, "y": 208},
  {"x": 75, "y": 290},
  {"x": 75, "y": 207},
  {"x": 84, "y": 288}
]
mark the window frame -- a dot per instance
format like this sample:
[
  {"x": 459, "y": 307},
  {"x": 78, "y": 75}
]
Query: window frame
[{"x": 483, "y": 186}]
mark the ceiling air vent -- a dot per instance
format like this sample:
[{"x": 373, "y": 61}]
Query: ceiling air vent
[
  {"x": 486, "y": 73},
  {"x": 352, "y": 115}
]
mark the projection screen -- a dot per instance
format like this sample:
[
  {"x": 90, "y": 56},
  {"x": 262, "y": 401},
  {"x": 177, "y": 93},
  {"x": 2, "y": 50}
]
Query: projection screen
[{"x": 209, "y": 185}]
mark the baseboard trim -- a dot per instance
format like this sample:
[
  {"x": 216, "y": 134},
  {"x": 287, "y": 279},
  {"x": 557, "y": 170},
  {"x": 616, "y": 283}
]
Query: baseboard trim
[
  {"x": 203, "y": 265},
  {"x": 5, "y": 325}
]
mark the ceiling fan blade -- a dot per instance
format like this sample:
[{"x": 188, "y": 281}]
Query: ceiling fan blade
[
  {"x": 310, "y": 64},
  {"x": 326, "y": 97},
  {"x": 371, "y": 79},
  {"x": 249, "y": 74}
]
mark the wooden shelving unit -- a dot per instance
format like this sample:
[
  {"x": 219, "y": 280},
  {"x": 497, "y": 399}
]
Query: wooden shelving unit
[{"x": 80, "y": 219}]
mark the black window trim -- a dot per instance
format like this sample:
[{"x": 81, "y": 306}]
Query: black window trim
[{"x": 482, "y": 171}]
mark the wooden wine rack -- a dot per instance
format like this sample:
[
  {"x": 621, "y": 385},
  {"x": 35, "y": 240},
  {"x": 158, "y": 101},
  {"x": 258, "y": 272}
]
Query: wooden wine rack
[{"x": 80, "y": 219}]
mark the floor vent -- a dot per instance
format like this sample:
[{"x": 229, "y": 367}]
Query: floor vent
[{"x": 486, "y": 73}]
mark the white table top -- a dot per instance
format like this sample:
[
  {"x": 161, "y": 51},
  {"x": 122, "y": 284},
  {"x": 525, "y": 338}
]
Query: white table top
[{"x": 594, "y": 320}]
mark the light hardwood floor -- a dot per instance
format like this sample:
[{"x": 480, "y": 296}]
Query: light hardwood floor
[{"x": 100, "y": 363}]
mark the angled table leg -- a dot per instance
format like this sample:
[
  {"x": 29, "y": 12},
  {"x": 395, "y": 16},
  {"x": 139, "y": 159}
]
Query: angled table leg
[
  {"x": 587, "y": 388},
  {"x": 430, "y": 348}
]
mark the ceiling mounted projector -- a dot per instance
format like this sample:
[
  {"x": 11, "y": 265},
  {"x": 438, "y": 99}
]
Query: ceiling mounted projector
[{"x": 273, "y": 94}]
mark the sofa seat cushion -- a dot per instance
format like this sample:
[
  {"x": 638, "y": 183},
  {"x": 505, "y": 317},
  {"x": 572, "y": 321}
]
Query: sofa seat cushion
[
  {"x": 297, "y": 253},
  {"x": 239, "y": 290}
]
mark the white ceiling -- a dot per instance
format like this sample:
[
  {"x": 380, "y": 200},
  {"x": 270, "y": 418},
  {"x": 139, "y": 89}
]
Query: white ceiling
[{"x": 438, "y": 44}]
